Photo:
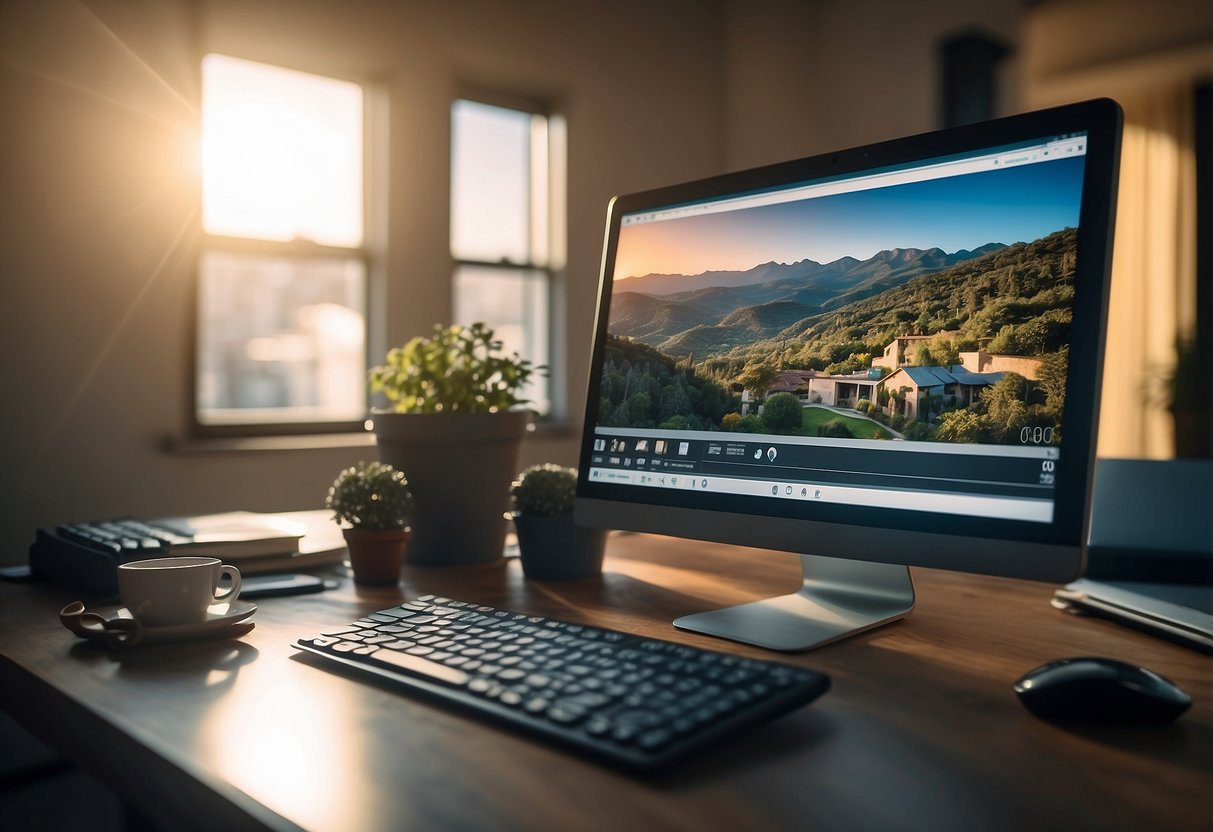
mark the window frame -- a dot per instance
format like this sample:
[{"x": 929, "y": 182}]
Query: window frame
[
  {"x": 552, "y": 264},
  {"x": 374, "y": 145}
]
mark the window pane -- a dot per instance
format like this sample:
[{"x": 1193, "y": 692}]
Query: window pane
[
  {"x": 514, "y": 304},
  {"x": 281, "y": 153},
  {"x": 281, "y": 339},
  {"x": 490, "y": 183}
]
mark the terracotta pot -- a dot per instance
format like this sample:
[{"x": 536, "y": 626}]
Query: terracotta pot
[
  {"x": 556, "y": 548},
  {"x": 459, "y": 467},
  {"x": 376, "y": 554}
]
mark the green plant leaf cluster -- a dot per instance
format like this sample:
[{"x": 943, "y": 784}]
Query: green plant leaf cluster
[
  {"x": 782, "y": 413},
  {"x": 371, "y": 495},
  {"x": 460, "y": 369},
  {"x": 546, "y": 489}
]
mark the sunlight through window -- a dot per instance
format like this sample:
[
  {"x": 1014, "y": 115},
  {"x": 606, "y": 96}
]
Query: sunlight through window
[
  {"x": 283, "y": 278},
  {"x": 506, "y": 227},
  {"x": 281, "y": 154}
]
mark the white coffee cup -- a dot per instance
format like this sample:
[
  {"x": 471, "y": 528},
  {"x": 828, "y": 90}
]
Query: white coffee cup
[{"x": 167, "y": 591}]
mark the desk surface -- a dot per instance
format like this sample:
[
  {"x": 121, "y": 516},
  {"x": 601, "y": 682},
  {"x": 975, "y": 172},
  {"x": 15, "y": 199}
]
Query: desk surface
[{"x": 920, "y": 730}]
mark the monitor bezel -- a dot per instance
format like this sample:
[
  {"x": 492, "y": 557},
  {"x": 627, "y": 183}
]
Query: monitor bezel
[{"x": 1046, "y": 551}]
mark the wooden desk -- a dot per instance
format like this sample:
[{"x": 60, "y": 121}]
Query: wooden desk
[{"x": 921, "y": 729}]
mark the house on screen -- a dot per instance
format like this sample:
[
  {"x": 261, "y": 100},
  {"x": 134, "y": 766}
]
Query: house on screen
[
  {"x": 900, "y": 350},
  {"x": 918, "y": 383},
  {"x": 792, "y": 381},
  {"x": 844, "y": 389},
  {"x": 813, "y": 387}
]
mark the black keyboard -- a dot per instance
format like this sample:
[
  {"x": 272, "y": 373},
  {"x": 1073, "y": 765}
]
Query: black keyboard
[
  {"x": 144, "y": 537},
  {"x": 86, "y": 555},
  {"x": 634, "y": 700}
]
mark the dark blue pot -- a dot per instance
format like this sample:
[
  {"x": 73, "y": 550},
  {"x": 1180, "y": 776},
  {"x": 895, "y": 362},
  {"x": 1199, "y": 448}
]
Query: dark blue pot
[{"x": 557, "y": 549}]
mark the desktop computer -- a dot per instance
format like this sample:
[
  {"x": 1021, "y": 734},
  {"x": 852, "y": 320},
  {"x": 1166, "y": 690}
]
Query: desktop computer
[
  {"x": 875, "y": 359},
  {"x": 880, "y": 358}
]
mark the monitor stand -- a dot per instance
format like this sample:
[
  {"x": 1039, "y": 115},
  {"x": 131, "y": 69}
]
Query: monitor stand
[{"x": 838, "y": 598}]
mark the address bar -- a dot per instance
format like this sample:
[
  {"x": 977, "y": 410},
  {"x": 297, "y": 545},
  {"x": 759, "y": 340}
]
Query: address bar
[{"x": 1045, "y": 152}]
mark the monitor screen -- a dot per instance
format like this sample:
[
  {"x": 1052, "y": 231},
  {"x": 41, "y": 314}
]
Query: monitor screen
[{"x": 903, "y": 337}]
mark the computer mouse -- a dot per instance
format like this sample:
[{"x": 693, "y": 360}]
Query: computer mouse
[{"x": 1094, "y": 689}]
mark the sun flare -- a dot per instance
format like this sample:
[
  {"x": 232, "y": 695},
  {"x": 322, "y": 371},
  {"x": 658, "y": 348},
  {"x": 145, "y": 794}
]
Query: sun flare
[{"x": 281, "y": 154}]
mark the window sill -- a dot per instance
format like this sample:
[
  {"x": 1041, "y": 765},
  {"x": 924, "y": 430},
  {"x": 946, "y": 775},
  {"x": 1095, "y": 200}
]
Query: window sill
[
  {"x": 195, "y": 446},
  {"x": 260, "y": 444}
]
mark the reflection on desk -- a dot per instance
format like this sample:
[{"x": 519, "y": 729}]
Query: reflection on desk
[{"x": 921, "y": 728}]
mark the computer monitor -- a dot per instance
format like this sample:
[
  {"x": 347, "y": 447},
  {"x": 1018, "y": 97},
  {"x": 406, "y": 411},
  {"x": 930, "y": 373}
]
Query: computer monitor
[{"x": 880, "y": 358}]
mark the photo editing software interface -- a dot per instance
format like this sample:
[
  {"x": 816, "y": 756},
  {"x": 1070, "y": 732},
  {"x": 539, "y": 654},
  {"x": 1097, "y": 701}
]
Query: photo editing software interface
[{"x": 895, "y": 339}]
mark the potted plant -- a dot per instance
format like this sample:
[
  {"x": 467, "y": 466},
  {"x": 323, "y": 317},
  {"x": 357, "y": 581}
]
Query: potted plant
[
  {"x": 373, "y": 503},
  {"x": 453, "y": 424},
  {"x": 551, "y": 545}
]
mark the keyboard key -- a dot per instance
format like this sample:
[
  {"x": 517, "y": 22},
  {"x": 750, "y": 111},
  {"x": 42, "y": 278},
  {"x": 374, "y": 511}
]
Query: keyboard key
[
  {"x": 337, "y": 631},
  {"x": 654, "y": 739},
  {"x": 566, "y": 714},
  {"x": 422, "y": 667},
  {"x": 537, "y": 705}
]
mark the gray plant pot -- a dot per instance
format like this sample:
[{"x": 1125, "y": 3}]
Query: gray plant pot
[
  {"x": 556, "y": 548},
  {"x": 459, "y": 467}
]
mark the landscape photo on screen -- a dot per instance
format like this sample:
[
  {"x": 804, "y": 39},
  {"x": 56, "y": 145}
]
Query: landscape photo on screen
[{"x": 933, "y": 310}]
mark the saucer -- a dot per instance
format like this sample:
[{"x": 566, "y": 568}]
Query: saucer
[{"x": 222, "y": 620}]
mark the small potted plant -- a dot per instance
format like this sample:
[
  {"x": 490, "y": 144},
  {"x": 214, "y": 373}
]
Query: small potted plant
[
  {"x": 373, "y": 503},
  {"x": 455, "y": 426},
  {"x": 551, "y": 545}
]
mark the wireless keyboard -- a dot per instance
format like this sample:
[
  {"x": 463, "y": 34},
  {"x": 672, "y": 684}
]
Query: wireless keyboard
[
  {"x": 86, "y": 556},
  {"x": 637, "y": 701},
  {"x": 145, "y": 537}
]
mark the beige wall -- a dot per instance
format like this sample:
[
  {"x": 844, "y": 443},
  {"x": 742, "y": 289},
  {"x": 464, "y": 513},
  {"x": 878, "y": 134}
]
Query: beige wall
[
  {"x": 1148, "y": 56},
  {"x": 98, "y": 206},
  {"x": 99, "y": 209},
  {"x": 811, "y": 77},
  {"x": 1127, "y": 49}
]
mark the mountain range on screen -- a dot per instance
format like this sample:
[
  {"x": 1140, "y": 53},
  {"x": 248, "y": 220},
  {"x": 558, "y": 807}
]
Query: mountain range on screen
[{"x": 761, "y": 301}]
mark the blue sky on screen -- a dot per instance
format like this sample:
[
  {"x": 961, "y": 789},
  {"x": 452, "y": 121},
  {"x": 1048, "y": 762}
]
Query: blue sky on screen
[{"x": 960, "y": 212}]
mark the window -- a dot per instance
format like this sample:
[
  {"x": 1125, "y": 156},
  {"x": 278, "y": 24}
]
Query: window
[
  {"x": 507, "y": 232},
  {"x": 283, "y": 274}
]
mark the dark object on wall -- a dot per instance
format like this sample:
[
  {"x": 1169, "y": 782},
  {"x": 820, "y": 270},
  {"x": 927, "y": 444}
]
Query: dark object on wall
[
  {"x": 1194, "y": 425},
  {"x": 1189, "y": 386},
  {"x": 969, "y": 76}
]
